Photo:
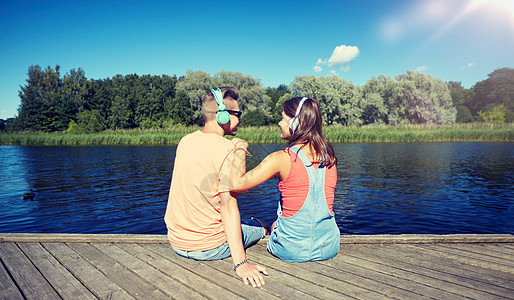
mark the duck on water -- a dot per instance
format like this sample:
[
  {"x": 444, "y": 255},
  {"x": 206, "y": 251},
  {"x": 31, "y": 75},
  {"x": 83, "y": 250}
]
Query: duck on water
[{"x": 29, "y": 195}]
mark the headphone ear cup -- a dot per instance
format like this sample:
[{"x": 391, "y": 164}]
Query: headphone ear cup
[
  {"x": 222, "y": 117},
  {"x": 293, "y": 124}
]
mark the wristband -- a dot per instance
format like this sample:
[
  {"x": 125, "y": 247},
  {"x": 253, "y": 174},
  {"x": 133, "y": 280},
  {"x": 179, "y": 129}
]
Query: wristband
[{"x": 240, "y": 264}]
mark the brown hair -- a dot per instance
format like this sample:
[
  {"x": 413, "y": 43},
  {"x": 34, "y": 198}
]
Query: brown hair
[
  {"x": 209, "y": 105},
  {"x": 310, "y": 129}
]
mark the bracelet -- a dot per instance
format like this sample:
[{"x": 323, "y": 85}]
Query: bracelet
[{"x": 240, "y": 264}]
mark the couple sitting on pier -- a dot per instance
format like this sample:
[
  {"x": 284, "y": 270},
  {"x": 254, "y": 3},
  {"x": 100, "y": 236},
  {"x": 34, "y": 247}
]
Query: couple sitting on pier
[{"x": 202, "y": 215}]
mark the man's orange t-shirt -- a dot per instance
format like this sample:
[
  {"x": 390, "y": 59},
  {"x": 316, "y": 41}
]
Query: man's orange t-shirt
[{"x": 193, "y": 213}]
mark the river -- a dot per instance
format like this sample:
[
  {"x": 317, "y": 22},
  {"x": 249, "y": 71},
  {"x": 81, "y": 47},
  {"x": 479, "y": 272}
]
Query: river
[{"x": 383, "y": 188}]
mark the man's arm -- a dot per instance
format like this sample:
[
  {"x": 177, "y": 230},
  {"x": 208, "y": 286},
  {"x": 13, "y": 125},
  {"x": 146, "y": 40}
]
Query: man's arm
[{"x": 232, "y": 225}]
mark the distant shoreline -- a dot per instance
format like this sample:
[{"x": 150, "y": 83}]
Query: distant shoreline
[{"x": 271, "y": 134}]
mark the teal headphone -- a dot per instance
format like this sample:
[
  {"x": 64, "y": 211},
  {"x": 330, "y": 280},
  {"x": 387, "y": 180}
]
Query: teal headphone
[{"x": 222, "y": 116}]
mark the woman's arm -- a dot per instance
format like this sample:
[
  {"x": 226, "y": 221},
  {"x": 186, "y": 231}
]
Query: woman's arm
[{"x": 276, "y": 162}]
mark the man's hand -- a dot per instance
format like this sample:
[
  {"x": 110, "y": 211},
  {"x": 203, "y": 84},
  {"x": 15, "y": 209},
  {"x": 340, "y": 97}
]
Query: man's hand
[
  {"x": 240, "y": 143},
  {"x": 251, "y": 274}
]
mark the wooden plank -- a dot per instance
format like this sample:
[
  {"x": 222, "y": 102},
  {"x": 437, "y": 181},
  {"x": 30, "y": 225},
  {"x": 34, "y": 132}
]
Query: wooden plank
[
  {"x": 130, "y": 282},
  {"x": 102, "y": 286},
  {"x": 25, "y": 274},
  {"x": 486, "y": 251},
  {"x": 448, "y": 282},
  {"x": 160, "y": 279},
  {"x": 82, "y": 238},
  {"x": 66, "y": 285},
  {"x": 345, "y": 239},
  {"x": 434, "y": 259},
  {"x": 204, "y": 269},
  {"x": 348, "y": 284},
  {"x": 469, "y": 258},
  {"x": 426, "y": 238},
  {"x": 8, "y": 289},
  {"x": 293, "y": 276},
  {"x": 272, "y": 286},
  {"x": 206, "y": 287},
  {"x": 385, "y": 274},
  {"x": 447, "y": 270}
]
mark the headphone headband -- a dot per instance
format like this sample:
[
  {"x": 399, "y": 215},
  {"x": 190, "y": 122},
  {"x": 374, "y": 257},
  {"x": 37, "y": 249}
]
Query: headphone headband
[
  {"x": 294, "y": 123},
  {"x": 299, "y": 108},
  {"x": 222, "y": 116}
]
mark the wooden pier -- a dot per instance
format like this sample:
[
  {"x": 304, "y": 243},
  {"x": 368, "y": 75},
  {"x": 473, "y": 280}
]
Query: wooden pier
[{"x": 83, "y": 266}]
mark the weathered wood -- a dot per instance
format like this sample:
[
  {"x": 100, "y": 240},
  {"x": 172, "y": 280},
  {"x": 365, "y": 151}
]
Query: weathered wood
[
  {"x": 434, "y": 267},
  {"x": 118, "y": 273},
  {"x": 8, "y": 288},
  {"x": 367, "y": 267},
  {"x": 468, "y": 258},
  {"x": 66, "y": 285},
  {"x": 149, "y": 273},
  {"x": 99, "y": 284},
  {"x": 272, "y": 286},
  {"x": 345, "y": 239},
  {"x": 452, "y": 283},
  {"x": 82, "y": 238},
  {"x": 206, "y": 271},
  {"x": 386, "y": 274},
  {"x": 205, "y": 287},
  {"x": 26, "y": 276},
  {"x": 320, "y": 275}
]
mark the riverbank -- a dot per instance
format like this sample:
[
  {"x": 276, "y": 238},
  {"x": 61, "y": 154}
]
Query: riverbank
[{"x": 271, "y": 134}]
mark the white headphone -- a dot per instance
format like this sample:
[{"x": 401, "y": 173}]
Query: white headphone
[{"x": 294, "y": 123}]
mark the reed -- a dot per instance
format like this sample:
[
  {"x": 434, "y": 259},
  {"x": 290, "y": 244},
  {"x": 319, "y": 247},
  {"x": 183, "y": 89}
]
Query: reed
[{"x": 271, "y": 134}]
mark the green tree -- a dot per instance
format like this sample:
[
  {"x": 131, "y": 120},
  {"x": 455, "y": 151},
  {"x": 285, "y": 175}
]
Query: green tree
[
  {"x": 422, "y": 99},
  {"x": 497, "y": 89},
  {"x": 73, "y": 96},
  {"x": 275, "y": 94},
  {"x": 39, "y": 100},
  {"x": 338, "y": 98},
  {"x": 495, "y": 115},
  {"x": 375, "y": 96},
  {"x": 195, "y": 84}
]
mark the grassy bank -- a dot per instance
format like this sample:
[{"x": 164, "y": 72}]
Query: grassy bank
[{"x": 271, "y": 134}]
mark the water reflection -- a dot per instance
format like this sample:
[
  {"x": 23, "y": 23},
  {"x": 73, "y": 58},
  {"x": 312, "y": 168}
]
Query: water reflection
[{"x": 383, "y": 188}]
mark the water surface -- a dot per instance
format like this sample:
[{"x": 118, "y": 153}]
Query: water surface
[{"x": 383, "y": 188}]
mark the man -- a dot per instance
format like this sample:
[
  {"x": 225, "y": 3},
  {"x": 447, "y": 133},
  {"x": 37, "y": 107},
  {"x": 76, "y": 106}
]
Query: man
[{"x": 202, "y": 216}]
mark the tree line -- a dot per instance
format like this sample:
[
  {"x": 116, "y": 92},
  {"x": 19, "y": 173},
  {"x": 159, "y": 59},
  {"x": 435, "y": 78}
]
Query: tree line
[{"x": 51, "y": 102}]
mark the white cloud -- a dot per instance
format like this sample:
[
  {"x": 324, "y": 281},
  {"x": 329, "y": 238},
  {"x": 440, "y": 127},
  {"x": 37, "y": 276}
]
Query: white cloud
[
  {"x": 333, "y": 72},
  {"x": 421, "y": 68},
  {"x": 342, "y": 55},
  {"x": 317, "y": 68},
  {"x": 470, "y": 65}
]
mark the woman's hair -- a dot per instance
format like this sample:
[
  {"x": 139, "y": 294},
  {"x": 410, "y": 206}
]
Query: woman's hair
[{"x": 310, "y": 129}]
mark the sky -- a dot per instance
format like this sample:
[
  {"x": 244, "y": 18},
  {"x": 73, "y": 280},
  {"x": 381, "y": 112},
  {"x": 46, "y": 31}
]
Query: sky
[{"x": 273, "y": 41}]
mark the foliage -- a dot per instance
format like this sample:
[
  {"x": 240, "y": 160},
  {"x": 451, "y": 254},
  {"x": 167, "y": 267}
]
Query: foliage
[
  {"x": 338, "y": 98},
  {"x": 497, "y": 89},
  {"x": 271, "y": 134},
  {"x": 495, "y": 115},
  {"x": 74, "y": 103}
]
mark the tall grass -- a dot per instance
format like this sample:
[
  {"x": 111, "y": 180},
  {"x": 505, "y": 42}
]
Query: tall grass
[{"x": 271, "y": 134}]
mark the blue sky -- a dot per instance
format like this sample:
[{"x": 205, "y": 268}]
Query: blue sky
[{"x": 274, "y": 41}]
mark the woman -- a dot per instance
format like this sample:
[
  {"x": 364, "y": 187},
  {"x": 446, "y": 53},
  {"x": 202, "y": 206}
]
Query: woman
[{"x": 305, "y": 229}]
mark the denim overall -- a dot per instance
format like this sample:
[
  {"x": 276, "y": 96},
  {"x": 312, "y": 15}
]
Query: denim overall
[{"x": 312, "y": 233}]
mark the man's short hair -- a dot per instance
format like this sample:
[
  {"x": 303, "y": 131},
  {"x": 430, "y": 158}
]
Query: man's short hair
[{"x": 209, "y": 105}]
